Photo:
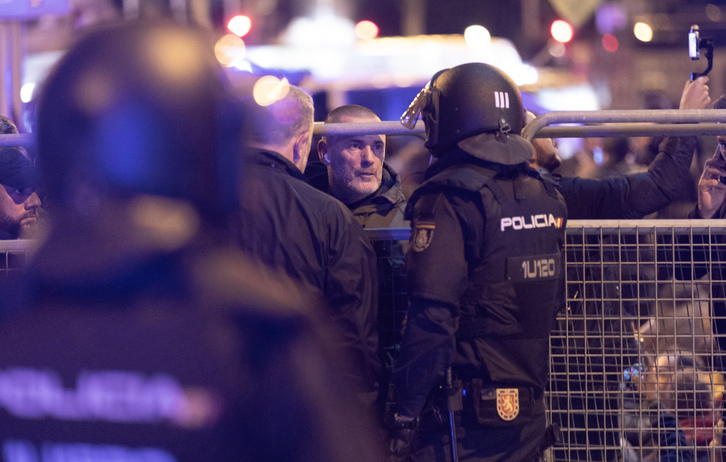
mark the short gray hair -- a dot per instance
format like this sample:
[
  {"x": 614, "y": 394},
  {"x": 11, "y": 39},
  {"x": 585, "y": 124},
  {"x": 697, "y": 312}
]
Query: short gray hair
[
  {"x": 351, "y": 110},
  {"x": 278, "y": 123}
]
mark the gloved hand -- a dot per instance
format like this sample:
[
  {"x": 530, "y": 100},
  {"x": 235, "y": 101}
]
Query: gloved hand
[{"x": 401, "y": 434}]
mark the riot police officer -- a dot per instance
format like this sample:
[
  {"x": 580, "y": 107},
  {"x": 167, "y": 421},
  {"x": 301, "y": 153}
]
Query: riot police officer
[{"x": 485, "y": 279}]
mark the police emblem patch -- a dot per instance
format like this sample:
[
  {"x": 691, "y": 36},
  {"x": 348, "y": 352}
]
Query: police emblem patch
[
  {"x": 508, "y": 403},
  {"x": 422, "y": 235}
]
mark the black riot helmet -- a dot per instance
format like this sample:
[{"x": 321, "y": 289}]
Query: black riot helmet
[
  {"x": 140, "y": 108},
  {"x": 465, "y": 101}
]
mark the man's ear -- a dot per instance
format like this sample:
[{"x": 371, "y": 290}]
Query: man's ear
[
  {"x": 301, "y": 148},
  {"x": 323, "y": 152}
]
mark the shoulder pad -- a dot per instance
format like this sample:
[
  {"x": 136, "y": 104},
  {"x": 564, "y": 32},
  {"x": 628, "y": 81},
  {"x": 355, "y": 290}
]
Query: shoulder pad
[
  {"x": 464, "y": 177},
  {"x": 550, "y": 182}
]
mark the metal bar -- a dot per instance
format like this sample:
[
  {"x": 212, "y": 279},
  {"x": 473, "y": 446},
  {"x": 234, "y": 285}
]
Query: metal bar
[
  {"x": 628, "y": 123},
  {"x": 23, "y": 245},
  {"x": 21, "y": 139},
  {"x": 692, "y": 122},
  {"x": 601, "y": 131},
  {"x": 366, "y": 128},
  {"x": 660, "y": 116}
]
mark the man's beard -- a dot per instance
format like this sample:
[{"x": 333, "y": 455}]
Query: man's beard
[{"x": 12, "y": 229}]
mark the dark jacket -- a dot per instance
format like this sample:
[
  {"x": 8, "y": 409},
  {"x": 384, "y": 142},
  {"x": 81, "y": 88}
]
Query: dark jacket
[
  {"x": 111, "y": 347},
  {"x": 632, "y": 196},
  {"x": 288, "y": 224},
  {"x": 382, "y": 209}
]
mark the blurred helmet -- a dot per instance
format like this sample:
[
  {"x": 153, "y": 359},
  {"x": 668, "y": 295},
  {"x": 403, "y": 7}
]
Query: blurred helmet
[
  {"x": 140, "y": 108},
  {"x": 465, "y": 101}
]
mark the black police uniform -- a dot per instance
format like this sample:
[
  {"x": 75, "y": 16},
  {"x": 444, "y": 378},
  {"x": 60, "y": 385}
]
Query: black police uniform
[
  {"x": 485, "y": 284},
  {"x": 189, "y": 356}
]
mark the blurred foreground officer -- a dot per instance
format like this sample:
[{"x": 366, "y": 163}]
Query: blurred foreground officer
[
  {"x": 134, "y": 337},
  {"x": 485, "y": 278},
  {"x": 286, "y": 223}
]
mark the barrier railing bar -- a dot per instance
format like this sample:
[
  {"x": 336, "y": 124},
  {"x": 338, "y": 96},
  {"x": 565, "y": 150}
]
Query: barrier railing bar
[
  {"x": 627, "y": 130},
  {"x": 20, "y": 139},
  {"x": 692, "y": 122},
  {"x": 657, "y": 116}
]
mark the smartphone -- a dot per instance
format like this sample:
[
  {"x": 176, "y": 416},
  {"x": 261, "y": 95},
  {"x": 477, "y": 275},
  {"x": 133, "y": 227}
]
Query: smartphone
[{"x": 694, "y": 42}]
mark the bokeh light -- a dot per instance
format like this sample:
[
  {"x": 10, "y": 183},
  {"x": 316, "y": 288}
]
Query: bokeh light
[
  {"x": 562, "y": 31},
  {"x": 366, "y": 30},
  {"x": 713, "y": 12},
  {"x": 26, "y": 92},
  {"x": 643, "y": 32},
  {"x": 556, "y": 49},
  {"x": 240, "y": 25},
  {"x": 477, "y": 36},
  {"x": 269, "y": 89},
  {"x": 610, "y": 43},
  {"x": 229, "y": 50}
]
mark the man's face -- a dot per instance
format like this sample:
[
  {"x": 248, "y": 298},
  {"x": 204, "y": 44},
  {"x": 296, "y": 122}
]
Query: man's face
[
  {"x": 356, "y": 163},
  {"x": 18, "y": 212},
  {"x": 546, "y": 154}
]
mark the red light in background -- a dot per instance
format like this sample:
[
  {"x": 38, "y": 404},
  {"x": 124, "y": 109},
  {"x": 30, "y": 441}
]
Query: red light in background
[
  {"x": 366, "y": 30},
  {"x": 610, "y": 43},
  {"x": 561, "y": 31},
  {"x": 240, "y": 25}
]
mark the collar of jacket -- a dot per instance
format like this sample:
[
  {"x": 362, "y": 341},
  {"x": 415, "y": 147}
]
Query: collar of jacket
[
  {"x": 273, "y": 159},
  {"x": 389, "y": 192}
]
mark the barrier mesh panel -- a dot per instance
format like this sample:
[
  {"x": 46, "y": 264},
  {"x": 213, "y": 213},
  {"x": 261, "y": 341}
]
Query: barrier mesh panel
[{"x": 14, "y": 256}]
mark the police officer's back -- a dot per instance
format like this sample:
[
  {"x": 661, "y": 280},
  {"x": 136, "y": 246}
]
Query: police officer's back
[
  {"x": 134, "y": 336},
  {"x": 485, "y": 275}
]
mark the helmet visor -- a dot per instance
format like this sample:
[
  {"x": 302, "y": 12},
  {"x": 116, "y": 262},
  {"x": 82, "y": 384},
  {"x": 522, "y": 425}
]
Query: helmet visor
[{"x": 413, "y": 113}]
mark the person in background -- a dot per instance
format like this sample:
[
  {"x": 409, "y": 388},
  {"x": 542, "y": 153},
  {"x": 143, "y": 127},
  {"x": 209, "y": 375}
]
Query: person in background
[
  {"x": 19, "y": 201},
  {"x": 631, "y": 196},
  {"x": 357, "y": 173},
  {"x": 137, "y": 334},
  {"x": 20, "y": 205}
]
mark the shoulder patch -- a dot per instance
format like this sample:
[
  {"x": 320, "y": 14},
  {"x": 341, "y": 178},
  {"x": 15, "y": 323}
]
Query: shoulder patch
[{"x": 422, "y": 234}]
